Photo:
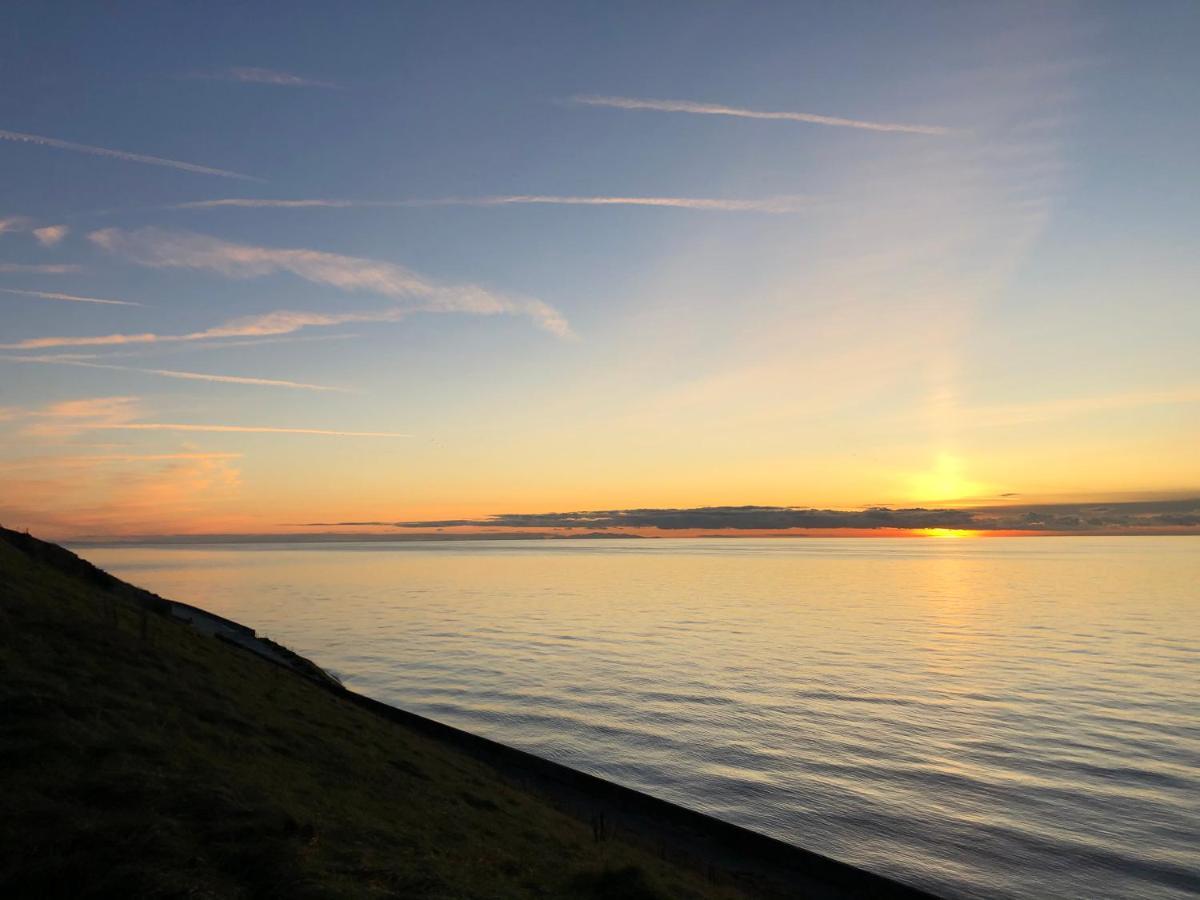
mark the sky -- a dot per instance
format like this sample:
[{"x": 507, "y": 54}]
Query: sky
[{"x": 273, "y": 264}]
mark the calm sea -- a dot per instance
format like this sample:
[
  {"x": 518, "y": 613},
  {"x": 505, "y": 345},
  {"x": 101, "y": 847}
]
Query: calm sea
[{"x": 980, "y": 717}]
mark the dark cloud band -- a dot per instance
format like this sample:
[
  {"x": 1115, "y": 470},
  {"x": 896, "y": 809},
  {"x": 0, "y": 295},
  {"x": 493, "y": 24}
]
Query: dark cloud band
[{"x": 1047, "y": 517}]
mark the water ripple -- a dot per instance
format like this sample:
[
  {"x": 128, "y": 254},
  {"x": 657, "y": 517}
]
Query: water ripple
[{"x": 984, "y": 718}]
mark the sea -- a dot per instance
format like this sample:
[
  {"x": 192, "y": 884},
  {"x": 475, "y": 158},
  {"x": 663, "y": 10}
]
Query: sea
[{"x": 979, "y": 717}]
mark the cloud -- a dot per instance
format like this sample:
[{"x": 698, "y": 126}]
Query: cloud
[
  {"x": 253, "y": 75},
  {"x": 780, "y": 204},
  {"x": 158, "y": 248},
  {"x": 47, "y": 236},
  {"x": 255, "y": 203},
  {"x": 714, "y": 109},
  {"x": 1053, "y": 410},
  {"x": 1042, "y": 517},
  {"x": 108, "y": 408},
  {"x": 51, "y": 234},
  {"x": 120, "y": 412},
  {"x": 43, "y": 141},
  {"x": 273, "y": 323},
  {"x": 173, "y": 373},
  {"x": 55, "y": 269},
  {"x": 777, "y": 205},
  {"x": 80, "y": 495},
  {"x": 73, "y": 298},
  {"x": 719, "y": 518},
  {"x": 252, "y": 429},
  {"x": 73, "y": 416},
  {"x": 209, "y": 344},
  {"x": 11, "y": 224},
  {"x": 92, "y": 461}
]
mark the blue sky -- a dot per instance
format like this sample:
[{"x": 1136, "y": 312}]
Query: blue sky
[{"x": 996, "y": 297}]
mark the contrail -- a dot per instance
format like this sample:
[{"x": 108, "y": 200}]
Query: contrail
[
  {"x": 269, "y": 76},
  {"x": 782, "y": 204},
  {"x": 232, "y": 379},
  {"x": 50, "y": 295},
  {"x": 43, "y": 141},
  {"x": 174, "y": 373},
  {"x": 714, "y": 109},
  {"x": 253, "y": 203},
  {"x": 265, "y": 325},
  {"x": 259, "y": 429},
  {"x": 36, "y": 269}
]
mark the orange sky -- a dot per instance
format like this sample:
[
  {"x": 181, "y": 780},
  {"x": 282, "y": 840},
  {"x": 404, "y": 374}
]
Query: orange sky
[{"x": 906, "y": 284}]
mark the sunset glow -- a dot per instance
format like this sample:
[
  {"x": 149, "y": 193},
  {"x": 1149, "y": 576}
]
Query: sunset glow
[
  {"x": 786, "y": 265},
  {"x": 415, "y": 415}
]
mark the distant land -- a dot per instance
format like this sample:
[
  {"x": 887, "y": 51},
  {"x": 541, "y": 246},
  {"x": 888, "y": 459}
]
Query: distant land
[
  {"x": 1179, "y": 515},
  {"x": 321, "y": 537}
]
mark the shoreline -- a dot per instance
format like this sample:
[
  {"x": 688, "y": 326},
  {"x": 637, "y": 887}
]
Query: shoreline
[
  {"x": 726, "y": 856},
  {"x": 723, "y": 851}
]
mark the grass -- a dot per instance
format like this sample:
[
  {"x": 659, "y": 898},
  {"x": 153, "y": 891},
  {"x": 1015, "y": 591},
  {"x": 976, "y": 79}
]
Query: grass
[{"x": 141, "y": 759}]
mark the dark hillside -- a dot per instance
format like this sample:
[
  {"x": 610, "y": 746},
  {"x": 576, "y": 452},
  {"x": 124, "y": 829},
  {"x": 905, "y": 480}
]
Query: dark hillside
[{"x": 141, "y": 758}]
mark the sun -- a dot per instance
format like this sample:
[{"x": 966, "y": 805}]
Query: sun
[
  {"x": 953, "y": 533},
  {"x": 945, "y": 481}
]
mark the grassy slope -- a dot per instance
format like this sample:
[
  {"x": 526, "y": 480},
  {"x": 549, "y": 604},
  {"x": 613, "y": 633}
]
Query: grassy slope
[{"x": 176, "y": 765}]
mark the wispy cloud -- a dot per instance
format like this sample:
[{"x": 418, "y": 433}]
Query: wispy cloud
[
  {"x": 10, "y": 224},
  {"x": 209, "y": 344},
  {"x": 254, "y": 75},
  {"x": 72, "y": 416},
  {"x": 1055, "y": 410},
  {"x": 716, "y": 109},
  {"x": 72, "y": 298},
  {"x": 121, "y": 413},
  {"x": 173, "y": 373},
  {"x": 92, "y": 461},
  {"x": 50, "y": 235},
  {"x": 273, "y": 323},
  {"x": 43, "y": 141},
  {"x": 255, "y": 429},
  {"x": 778, "y": 204},
  {"x": 47, "y": 235},
  {"x": 55, "y": 269},
  {"x": 230, "y": 379},
  {"x": 781, "y": 204},
  {"x": 109, "y": 494},
  {"x": 158, "y": 248},
  {"x": 255, "y": 203}
]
